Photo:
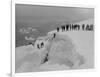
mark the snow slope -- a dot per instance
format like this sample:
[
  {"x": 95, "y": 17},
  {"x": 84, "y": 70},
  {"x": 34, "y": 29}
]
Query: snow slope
[{"x": 69, "y": 50}]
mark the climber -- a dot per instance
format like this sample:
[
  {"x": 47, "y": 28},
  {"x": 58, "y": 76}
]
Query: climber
[
  {"x": 57, "y": 29},
  {"x": 63, "y": 28},
  {"x": 67, "y": 27},
  {"x": 42, "y": 45},
  {"x": 38, "y": 46},
  {"x": 54, "y": 35}
]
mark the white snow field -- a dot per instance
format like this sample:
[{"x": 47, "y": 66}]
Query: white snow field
[{"x": 68, "y": 50}]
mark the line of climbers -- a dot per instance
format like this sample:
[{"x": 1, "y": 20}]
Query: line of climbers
[
  {"x": 41, "y": 45},
  {"x": 63, "y": 28}
]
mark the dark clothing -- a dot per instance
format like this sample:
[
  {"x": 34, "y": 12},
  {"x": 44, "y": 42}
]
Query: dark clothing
[
  {"x": 67, "y": 26},
  {"x": 42, "y": 44},
  {"x": 38, "y": 46},
  {"x": 54, "y": 35},
  {"x": 45, "y": 59},
  {"x": 57, "y": 29},
  {"x": 63, "y": 28}
]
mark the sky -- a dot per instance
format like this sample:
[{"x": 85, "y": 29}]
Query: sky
[{"x": 37, "y": 14}]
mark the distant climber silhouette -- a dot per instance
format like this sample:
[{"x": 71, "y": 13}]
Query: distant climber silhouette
[
  {"x": 67, "y": 26},
  {"x": 42, "y": 45},
  {"x": 63, "y": 28},
  {"x": 57, "y": 29},
  {"x": 54, "y": 35},
  {"x": 38, "y": 46}
]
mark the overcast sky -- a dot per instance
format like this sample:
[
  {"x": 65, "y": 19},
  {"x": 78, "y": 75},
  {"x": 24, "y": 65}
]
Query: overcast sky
[{"x": 36, "y": 15}]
